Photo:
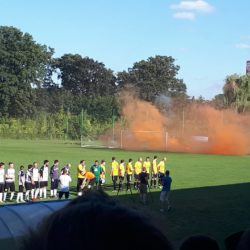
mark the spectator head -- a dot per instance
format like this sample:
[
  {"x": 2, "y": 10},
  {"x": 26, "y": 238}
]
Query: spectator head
[
  {"x": 199, "y": 242},
  {"x": 232, "y": 241},
  {"x": 77, "y": 226}
]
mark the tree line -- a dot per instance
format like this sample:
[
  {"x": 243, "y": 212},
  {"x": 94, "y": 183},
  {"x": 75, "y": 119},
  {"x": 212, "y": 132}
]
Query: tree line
[{"x": 48, "y": 97}]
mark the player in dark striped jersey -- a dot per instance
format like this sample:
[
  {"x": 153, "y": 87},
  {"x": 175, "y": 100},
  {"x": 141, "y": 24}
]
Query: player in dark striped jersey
[
  {"x": 2, "y": 181},
  {"x": 28, "y": 182},
  {"x": 54, "y": 175},
  {"x": 21, "y": 183}
]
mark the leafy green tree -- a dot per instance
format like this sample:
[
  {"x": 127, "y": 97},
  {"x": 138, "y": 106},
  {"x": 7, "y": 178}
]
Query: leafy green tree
[
  {"x": 152, "y": 77},
  {"x": 85, "y": 76},
  {"x": 23, "y": 64}
]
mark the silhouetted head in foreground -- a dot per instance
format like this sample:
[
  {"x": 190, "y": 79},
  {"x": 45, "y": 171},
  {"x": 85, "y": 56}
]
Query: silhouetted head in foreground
[
  {"x": 199, "y": 242},
  {"x": 93, "y": 222}
]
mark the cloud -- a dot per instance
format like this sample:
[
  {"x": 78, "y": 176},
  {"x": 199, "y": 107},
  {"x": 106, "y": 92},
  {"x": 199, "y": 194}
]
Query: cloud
[
  {"x": 184, "y": 15},
  {"x": 194, "y": 6},
  {"x": 242, "y": 46}
]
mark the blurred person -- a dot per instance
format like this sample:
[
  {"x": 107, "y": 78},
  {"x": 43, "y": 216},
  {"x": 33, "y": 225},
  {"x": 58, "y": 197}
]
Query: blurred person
[
  {"x": 161, "y": 170},
  {"x": 54, "y": 175},
  {"x": 80, "y": 176},
  {"x": 28, "y": 182},
  {"x": 129, "y": 172},
  {"x": 114, "y": 172},
  {"x": 147, "y": 165},
  {"x": 2, "y": 182},
  {"x": 88, "y": 182},
  {"x": 143, "y": 185},
  {"x": 67, "y": 168},
  {"x": 64, "y": 181},
  {"x": 103, "y": 174},
  {"x": 166, "y": 187},
  {"x": 121, "y": 173},
  {"x": 10, "y": 181},
  {"x": 96, "y": 170},
  {"x": 154, "y": 173},
  {"x": 21, "y": 182},
  {"x": 77, "y": 226},
  {"x": 44, "y": 173},
  {"x": 35, "y": 177},
  {"x": 137, "y": 171}
]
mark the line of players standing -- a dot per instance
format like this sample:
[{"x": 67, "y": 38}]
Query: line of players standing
[
  {"x": 154, "y": 170},
  {"x": 34, "y": 181}
]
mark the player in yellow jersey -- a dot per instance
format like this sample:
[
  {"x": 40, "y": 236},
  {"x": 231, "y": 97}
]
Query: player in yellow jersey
[
  {"x": 81, "y": 169},
  {"x": 114, "y": 172},
  {"x": 138, "y": 170},
  {"x": 121, "y": 173},
  {"x": 129, "y": 172},
  {"x": 161, "y": 170},
  {"x": 103, "y": 173},
  {"x": 154, "y": 173},
  {"x": 147, "y": 165}
]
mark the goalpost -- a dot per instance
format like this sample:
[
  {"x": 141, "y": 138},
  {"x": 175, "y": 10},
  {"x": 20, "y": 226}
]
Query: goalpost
[{"x": 160, "y": 136}]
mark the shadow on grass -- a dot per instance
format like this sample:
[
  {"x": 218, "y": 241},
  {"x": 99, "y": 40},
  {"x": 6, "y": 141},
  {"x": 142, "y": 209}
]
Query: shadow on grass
[{"x": 216, "y": 211}]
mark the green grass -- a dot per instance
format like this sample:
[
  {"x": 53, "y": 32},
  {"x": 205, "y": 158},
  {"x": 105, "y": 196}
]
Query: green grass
[{"x": 210, "y": 193}]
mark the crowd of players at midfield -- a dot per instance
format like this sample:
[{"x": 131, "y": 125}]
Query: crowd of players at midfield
[{"x": 34, "y": 180}]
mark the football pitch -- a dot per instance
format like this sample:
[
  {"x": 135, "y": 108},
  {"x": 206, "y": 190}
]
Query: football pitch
[{"x": 210, "y": 193}]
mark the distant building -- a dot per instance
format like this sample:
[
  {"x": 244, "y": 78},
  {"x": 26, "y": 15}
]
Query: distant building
[{"x": 248, "y": 68}]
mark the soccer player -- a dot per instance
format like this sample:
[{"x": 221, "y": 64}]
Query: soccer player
[
  {"x": 2, "y": 182},
  {"x": 147, "y": 165},
  {"x": 96, "y": 170},
  {"x": 103, "y": 174},
  {"x": 10, "y": 181},
  {"x": 143, "y": 185},
  {"x": 161, "y": 170},
  {"x": 129, "y": 171},
  {"x": 54, "y": 175},
  {"x": 64, "y": 181},
  {"x": 35, "y": 178},
  {"x": 114, "y": 172},
  {"x": 44, "y": 173},
  {"x": 138, "y": 170},
  {"x": 28, "y": 182},
  {"x": 121, "y": 173},
  {"x": 21, "y": 182},
  {"x": 80, "y": 175},
  {"x": 154, "y": 173},
  {"x": 88, "y": 181},
  {"x": 166, "y": 187}
]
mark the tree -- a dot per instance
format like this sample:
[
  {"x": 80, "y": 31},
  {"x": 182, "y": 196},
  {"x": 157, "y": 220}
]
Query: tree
[
  {"x": 22, "y": 65},
  {"x": 155, "y": 76},
  {"x": 85, "y": 76}
]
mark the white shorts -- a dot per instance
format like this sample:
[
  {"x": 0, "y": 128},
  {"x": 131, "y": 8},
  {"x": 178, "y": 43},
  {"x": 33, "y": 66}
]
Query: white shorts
[{"x": 164, "y": 195}]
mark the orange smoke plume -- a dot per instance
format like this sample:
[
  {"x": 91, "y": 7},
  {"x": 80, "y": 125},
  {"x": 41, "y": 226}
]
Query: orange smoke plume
[{"x": 194, "y": 129}]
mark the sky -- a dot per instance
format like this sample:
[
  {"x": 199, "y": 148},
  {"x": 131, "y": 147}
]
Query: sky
[{"x": 209, "y": 39}]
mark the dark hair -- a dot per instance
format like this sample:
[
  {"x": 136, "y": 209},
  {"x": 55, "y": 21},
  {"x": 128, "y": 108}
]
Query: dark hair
[
  {"x": 113, "y": 158},
  {"x": 96, "y": 161},
  {"x": 10, "y": 163},
  {"x": 130, "y": 160},
  {"x": 95, "y": 214},
  {"x": 21, "y": 167},
  {"x": 103, "y": 161},
  {"x": 147, "y": 158},
  {"x": 199, "y": 242},
  {"x": 1, "y": 164},
  {"x": 56, "y": 161},
  {"x": 122, "y": 161},
  {"x": 45, "y": 162},
  {"x": 82, "y": 161},
  {"x": 167, "y": 172},
  {"x": 64, "y": 171},
  {"x": 155, "y": 157},
  {"x": 30, "y": 166}
]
